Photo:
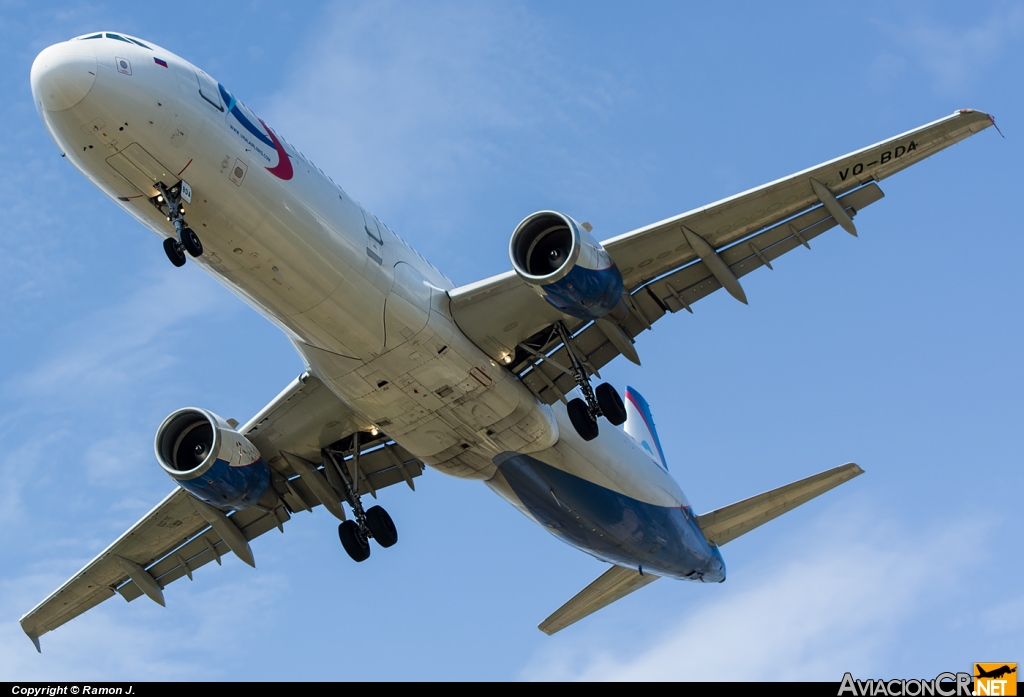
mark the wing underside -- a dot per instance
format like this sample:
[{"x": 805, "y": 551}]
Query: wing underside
[
  {"x": 670, "y": 265},
  {"x": 181, "y": 535}
]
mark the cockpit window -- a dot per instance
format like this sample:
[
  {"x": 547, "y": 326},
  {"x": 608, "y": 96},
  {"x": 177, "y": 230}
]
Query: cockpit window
[{"x": 117, "y": 37}]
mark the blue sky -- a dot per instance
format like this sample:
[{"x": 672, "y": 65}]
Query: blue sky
[{"x": 899, "y": 350}]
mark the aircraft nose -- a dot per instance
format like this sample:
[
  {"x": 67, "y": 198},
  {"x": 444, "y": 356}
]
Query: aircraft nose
[{"x": 62, "y": 75}]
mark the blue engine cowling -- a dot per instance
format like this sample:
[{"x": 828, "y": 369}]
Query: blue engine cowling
[
  {"x": 566, "y": 265},
  {"x": 211, "y": 460}
]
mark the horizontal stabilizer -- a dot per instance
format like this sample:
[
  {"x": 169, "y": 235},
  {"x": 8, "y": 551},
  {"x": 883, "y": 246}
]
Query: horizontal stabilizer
[
  {"x": 615, "y": 583},
  {"x": 726, "y": 524}
]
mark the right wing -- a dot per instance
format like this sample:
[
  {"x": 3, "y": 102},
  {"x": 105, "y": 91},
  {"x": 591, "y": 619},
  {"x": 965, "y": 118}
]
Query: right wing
[
  {"x": 182, "y": 534},
  {"x": 671, "y": 264}
]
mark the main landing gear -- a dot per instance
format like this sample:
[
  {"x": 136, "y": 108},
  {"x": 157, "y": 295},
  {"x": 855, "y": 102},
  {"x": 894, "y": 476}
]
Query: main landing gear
[
  {"x": 371, "y": 523},
  {"x": 604, "y": 401},
  {"x": 169, "y": 198}
]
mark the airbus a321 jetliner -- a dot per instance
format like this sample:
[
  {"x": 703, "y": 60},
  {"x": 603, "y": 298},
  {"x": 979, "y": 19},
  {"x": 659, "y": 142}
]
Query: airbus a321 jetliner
[{"x": 404, "y": 369}]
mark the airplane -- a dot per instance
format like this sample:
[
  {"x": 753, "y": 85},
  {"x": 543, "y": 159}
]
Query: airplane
[
  {"x": 491, "y": 381},
  {"x": 995, "y": 673}
]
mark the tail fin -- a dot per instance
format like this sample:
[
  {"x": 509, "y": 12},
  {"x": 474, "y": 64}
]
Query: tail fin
[{"x": 640, "y": 425}]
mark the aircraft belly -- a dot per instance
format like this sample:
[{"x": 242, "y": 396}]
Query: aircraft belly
[
  {"x": 614, "y": 461},
  {"x": 613, "y": 527}
]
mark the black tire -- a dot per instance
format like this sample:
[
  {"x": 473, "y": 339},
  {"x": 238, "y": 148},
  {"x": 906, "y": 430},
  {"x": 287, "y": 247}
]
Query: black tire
[
  {"x": 381, "y": 526},
  {"x": 173, "y": 251},
  {"x": 191, "y": 242},
  {"x": 357, "y": 546},
  {"x": 581, "y": 421},
  {"x": 611, "y": 403}
]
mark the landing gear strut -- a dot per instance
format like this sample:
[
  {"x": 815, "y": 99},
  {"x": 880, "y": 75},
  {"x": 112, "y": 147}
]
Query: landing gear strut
[
  {"x": 187, "y": 239},
  {"x": 373, "y": 523},
  {"x": 605, "y": 401}
]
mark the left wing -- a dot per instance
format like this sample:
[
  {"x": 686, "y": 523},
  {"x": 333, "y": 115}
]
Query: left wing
[
  {"x": 614, "y": 584},
  {"x": 671, "y": 264},
  {"x": 182, "y": 533}
]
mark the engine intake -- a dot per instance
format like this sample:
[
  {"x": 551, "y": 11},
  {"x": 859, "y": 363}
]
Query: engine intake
[
  {"x": 211, "y": 460},
  {"x": 572, "y": 271}
]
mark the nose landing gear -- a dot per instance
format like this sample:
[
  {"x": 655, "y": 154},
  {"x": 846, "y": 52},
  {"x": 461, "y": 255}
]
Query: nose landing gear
[{"x": 187, "y": 239}]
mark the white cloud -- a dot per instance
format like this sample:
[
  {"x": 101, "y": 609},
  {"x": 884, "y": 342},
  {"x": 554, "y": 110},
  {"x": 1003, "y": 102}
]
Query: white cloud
[
  {"x": 140, "y": 641},
  {"x": 86, "y": 384},
  {"x": 852, "y": 588},
  {"x": 952, "y": 54},
  {"x": 115, "y": 348},
  {"x": 409, "y": 100}
]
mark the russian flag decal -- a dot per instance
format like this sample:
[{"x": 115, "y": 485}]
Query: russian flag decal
[{"x": 160, "y": 62}]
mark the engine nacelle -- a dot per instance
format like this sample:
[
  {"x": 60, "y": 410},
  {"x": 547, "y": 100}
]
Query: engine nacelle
[
  {"x": 211, "y": 460},
  {"x": 566, "y": 265}
]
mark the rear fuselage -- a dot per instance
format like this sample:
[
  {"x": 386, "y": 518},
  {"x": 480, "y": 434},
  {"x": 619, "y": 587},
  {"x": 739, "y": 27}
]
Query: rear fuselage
[{"x": 366, "y": 312}]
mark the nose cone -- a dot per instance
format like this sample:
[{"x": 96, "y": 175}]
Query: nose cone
[{"x": 63, "y": 74}]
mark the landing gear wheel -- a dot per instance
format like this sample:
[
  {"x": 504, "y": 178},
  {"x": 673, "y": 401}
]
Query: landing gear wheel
[
  {"x": 191, "y": 242},
  {"x": 579, "y": 414},
  {"x": 381, "y": 526},
  {"x": 173, "y": 250},
  {"x": 611, "y": 404},
  {"x": 354, "y": 542}
]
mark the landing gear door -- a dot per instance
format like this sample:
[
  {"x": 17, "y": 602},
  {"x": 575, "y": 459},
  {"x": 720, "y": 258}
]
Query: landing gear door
[{"x": 374, "y": 238}]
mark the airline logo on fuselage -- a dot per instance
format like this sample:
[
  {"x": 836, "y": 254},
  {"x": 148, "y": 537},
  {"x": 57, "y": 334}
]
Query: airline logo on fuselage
[{"x": 263, "y": 142}]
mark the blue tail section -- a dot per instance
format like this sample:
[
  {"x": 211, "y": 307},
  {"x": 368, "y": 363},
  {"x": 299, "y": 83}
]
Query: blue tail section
[{"x": 640, "y": 426}]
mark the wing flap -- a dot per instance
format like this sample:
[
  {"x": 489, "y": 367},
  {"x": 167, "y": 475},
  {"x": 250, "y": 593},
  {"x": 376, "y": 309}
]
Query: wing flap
[
  {"x": 168, "y": 525},
  {"x": 695, "y": 281},
  {"x": 651, "y": 251},
  {"x": 726, "y": 524},
  {"x": 206, "y": 547},
  {"x": 614, "y": 584}
]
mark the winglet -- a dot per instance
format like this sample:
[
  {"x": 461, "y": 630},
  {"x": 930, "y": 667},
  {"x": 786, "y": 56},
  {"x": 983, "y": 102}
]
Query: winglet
[
  {"x": 33, "y": 636},
  {"x": 993, "y": 120}
]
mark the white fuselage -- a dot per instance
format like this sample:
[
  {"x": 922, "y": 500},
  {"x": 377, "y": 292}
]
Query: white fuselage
[{"x": 368, "y": 314}]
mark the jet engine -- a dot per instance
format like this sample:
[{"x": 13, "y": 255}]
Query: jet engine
[
  {"x": 560, "y": 259},
  {"x": 211, "y": 460}
]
